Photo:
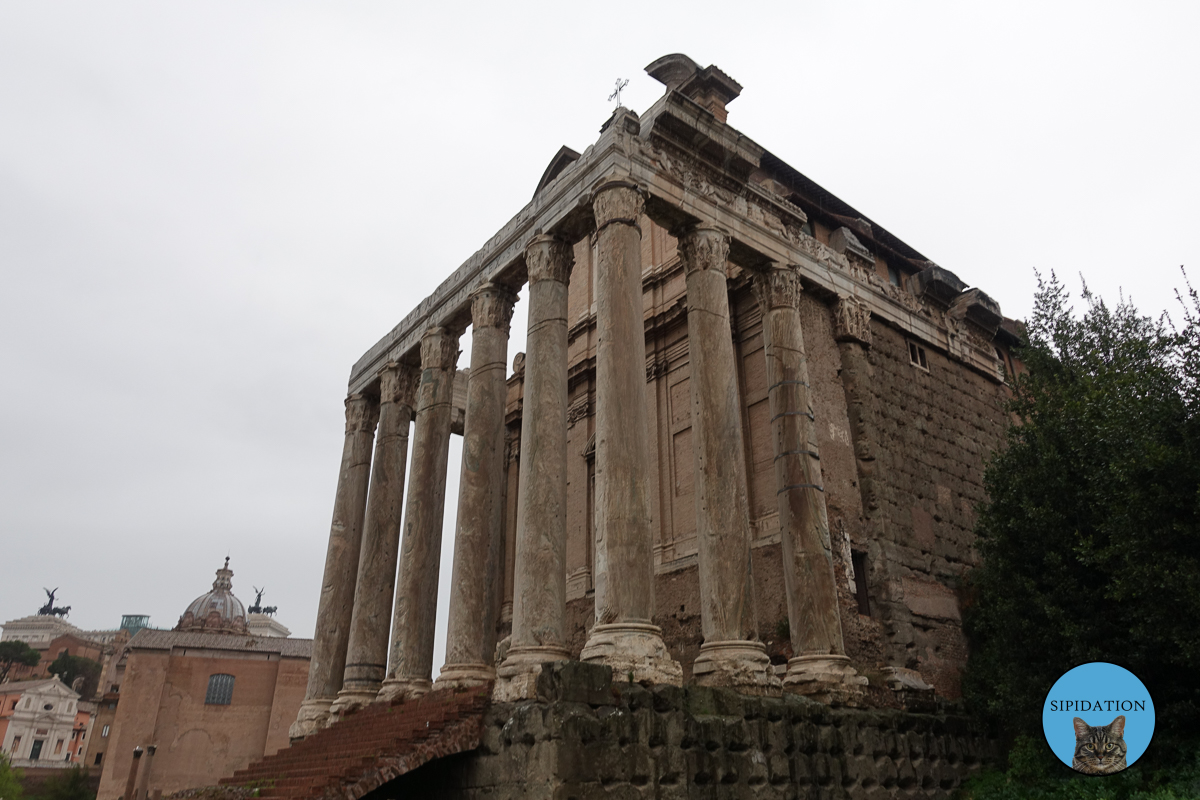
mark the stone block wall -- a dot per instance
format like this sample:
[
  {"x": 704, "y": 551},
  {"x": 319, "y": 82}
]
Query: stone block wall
[
  {"x": 588, "y": 737},
  {"x": 936, "y": 428}
]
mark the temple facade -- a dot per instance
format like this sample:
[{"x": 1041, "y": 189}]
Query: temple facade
[{"x": 743, "y": 447}]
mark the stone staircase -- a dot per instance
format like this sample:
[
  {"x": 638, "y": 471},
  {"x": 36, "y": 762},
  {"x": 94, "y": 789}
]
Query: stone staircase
[{"x": 368, "y": 748}]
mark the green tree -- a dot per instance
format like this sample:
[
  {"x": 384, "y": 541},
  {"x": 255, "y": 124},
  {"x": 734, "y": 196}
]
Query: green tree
[
  {"x": 10, "y": 780},
  {"x": 68, "y": 668},
  {"x": 68, "y": 784},
  {"x": 1090, "y": 541},
  {"x": 16, "y": 653}
]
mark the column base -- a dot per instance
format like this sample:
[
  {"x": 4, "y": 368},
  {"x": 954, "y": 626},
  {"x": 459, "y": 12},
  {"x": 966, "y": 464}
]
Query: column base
[
  {"x": 827, "y": 678},
  {"x": 313, "y": 716},
  {"x": 635, "y": 651},
  {"x": 399, "y": 690},
  {"x": 740, "y": 665},
  {"x": 464, "y": 676},
  {"x": 516, "y": 677},
  {"x": 352, "y": 699}
]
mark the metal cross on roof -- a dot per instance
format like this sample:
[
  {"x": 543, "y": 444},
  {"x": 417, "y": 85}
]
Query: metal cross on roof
[{"x": 616, "y": 95}]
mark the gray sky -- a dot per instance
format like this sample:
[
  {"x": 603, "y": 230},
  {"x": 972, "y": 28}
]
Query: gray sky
[{"x": 208, "y": 211}]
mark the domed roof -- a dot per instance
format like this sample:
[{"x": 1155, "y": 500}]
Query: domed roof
[{"x": 217, "y": 611}]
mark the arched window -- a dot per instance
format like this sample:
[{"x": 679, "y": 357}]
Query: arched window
[{"x": 220, "y": 690}]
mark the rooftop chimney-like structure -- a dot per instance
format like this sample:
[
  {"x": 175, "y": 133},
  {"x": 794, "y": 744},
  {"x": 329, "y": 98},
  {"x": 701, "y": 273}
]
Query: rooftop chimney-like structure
[{"x": 710, "y": 87}]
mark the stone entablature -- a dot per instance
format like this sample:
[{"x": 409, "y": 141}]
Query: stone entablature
[{"x": 764, "y": 226}]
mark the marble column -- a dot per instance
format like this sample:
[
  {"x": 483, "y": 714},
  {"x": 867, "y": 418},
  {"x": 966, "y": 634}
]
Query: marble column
[
  {"x": 624, "y": 636},
  {"x": 539, "y": 575},
  {"x": 471, "y": 630},
  {"x": 731, "y": 655},
  {"x": 366, "y": 654},
  {"x": 328, "y": 664},
  {"x": 410, "y": 668},
  {"x": 820, "y": 667}
]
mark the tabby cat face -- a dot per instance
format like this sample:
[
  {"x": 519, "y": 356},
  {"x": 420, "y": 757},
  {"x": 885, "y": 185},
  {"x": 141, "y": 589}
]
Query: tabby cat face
[{"x": 1100, "y": 750}]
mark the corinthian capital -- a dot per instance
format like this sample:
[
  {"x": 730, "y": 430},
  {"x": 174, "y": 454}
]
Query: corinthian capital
[
  {"x": 492, "y": 306},
  {"x": 398, "y": 384},
  {"x": 548, "y": 258},
  {"x": 777, "y": 287},
  {"x": 616, "y": 201},
  {"x": 439, "y": 349},
  {"x": 703, "y": 248},
  {"x": 362, "y": 413},
  {"x": 852, "y": 321}
]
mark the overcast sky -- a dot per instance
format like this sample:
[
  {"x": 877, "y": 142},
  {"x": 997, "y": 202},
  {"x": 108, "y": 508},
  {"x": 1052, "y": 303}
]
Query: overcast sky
[{"x": 209, "y": 211}]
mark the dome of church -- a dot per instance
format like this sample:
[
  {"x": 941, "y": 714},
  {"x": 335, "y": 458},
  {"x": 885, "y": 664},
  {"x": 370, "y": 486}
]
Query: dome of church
[{"x": 218, "y": 611}]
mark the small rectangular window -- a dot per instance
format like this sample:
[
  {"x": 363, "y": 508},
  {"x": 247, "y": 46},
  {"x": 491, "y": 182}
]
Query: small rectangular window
[
  {"x": 104, "y": 732},
  {"x": 916, "y": 355},
  {"x": 16, "y": 743},
  {"x": 98, "y": 757},
  {"x": 894, "y": 276},
  {"x": 858, "y": 560},
  {"x": 220, "y": 690}
]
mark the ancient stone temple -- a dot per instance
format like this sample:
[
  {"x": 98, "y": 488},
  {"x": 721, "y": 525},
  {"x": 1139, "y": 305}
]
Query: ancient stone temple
[{"x": 741, "y": 451}]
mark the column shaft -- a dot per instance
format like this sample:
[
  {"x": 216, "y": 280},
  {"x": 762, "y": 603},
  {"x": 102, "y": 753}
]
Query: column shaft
[
  {"x": 471, "y": 632},
  {"x": 624, "y": 635},
  {"x": 813, "y": 614},
  {"x": 539, "y": 574},
  {"x": 328, "y": 663},
  {"x": 410, "y": 668},
  {"x": 731, "y": 655},
  {"x": 367, "y": 652}
]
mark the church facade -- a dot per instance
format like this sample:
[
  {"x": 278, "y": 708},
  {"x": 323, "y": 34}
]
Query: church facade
[
  {"x": 743, "y": 448},
  {"x": 199, "y": 701}
]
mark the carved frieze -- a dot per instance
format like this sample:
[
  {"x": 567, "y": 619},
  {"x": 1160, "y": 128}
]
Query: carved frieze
[
  {"x": 703, "y": 248},
  {"x": 548, "y": 258},
  {"x": 492, "y": 306},
  {"x": 518, "y": 367},
  {"x": 398, "y": 384},
  {"x": 777, "y": 287},
  {"x": 439, "y": 349},
  {"x": 852, "y": 321},
  {"x": 845, "y": 242},
  {"x": 362, "y": 413},
  {"x": 514, "y": 448}
]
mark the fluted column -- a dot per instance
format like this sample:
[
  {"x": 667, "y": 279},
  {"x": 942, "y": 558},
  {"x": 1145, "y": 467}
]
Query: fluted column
[
  {"x": 731, "y": 654},
  {"x": 327, "y": 667},
  {"x": 366, "y": 655},
  {"x": 471, "y": 632},
  {"x": 539, "y": 575},
  {"x": 624, "y": 636},
  {"x": 410, "y": 667},
  {"x": 820, "y": 666}
]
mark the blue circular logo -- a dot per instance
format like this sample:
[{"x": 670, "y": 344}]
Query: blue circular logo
[{"x": 1098, "y": 718}]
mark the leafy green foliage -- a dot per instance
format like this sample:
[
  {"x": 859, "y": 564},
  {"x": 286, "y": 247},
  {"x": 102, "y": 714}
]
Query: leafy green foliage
[
  {"x": 1035, "y": 774},
  {"x": 10, "y": 780},
  {"x": 68, "y": 668},
  {"x": 13, "y": 653},
  {"x": 1090, "y": 542},
  {"x": 68, "y": 784}
]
